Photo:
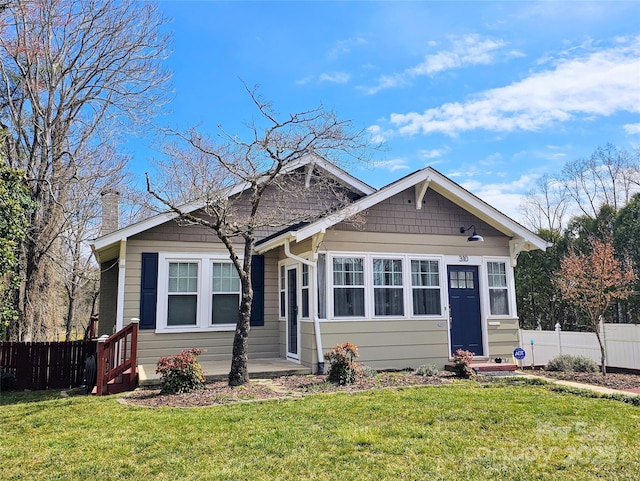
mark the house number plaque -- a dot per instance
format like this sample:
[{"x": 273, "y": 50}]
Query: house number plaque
[{"x": 463, "y": 258}]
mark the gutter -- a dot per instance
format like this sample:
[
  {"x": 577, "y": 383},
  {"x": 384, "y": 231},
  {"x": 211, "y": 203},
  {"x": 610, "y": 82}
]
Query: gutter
[{"x": 313, "y": 265}]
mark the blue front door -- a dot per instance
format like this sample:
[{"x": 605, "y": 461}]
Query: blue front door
[{"x": 464, "y": 302}]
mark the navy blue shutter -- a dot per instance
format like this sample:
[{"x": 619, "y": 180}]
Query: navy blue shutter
[
  {"x": 149, "y": 290},
  {"x": 257, "y": 280}
]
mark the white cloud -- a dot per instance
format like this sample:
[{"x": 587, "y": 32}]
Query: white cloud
[
  {"x": 596, "y": 84},
  {"x": 506, "y": 197},
  {"x": 335, "y": 77},
  {"x": 392, "y": 165},
  {"x": 304, "y": 80},
  {"x": 378, "y": 136},
  {"x": 434, "y": 153},
  {"x": 465, "y": 50},
  {"x": 343, "y": 47},
  {"x": 632, "y": 129}
]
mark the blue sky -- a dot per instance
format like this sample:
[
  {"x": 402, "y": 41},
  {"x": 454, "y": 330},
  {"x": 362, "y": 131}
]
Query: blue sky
[{"x": 492, "y": 94}]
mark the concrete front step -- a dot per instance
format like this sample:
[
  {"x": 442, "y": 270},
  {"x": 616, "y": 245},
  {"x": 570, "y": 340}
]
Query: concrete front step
[{"x": 488, "y": 367}]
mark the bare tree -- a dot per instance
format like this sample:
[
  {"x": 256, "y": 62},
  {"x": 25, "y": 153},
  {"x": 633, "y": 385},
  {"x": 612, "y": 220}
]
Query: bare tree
[
  {"x": 73, "y": 74},
  {"x": 545, "y": 206},
  {"x": 71, "y": 257},
  {"x": 609, "y": 177},
  {"x": 262, "y": 167},
  {"x": 592, "y": 281}
]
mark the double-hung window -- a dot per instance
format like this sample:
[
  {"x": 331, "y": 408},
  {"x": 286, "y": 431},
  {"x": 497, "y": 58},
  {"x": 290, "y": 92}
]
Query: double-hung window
[
  {"x": 425, "y": 287},
  {"x": 182, "y": 301},
  {"x": 388, "y": 292},
  {"x": 498, "y": 291},
  {"x": 283, "y": 291},
  {"x": 348, "y": 286},
  {"x": 305, "y": 291},
  {"x": 197, "y": 292},
  {"x": 225, "y": 293}
]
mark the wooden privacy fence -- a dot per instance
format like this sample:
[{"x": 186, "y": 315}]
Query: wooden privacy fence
[{"x": 46, "y": 365}]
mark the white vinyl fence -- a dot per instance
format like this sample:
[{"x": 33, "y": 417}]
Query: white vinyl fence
[{"x": 622, "y": 344}]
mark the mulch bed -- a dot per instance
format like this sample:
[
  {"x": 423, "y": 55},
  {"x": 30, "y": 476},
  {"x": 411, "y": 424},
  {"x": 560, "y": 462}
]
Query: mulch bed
[
  {"x": 217, "y": 393},
  {"x": 291, "y": 387},
  {"x": 214, "y": 393},
  {"x": 622, "y": 382}
]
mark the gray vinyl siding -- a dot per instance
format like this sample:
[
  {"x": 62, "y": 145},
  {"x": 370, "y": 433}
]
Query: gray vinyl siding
[
  {"x": 264, "y": 341},
  {"x": 388, "y": 344},
  {"x": 503, "y": 339},
  {"x": 365, "y": 242},
  {"x": 398, "y": 214}
]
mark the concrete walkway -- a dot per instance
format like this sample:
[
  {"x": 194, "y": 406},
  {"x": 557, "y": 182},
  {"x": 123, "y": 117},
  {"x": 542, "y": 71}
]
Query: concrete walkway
[
  {"x": 219, "y": 370},
  {"x": 588, "y": 387}
]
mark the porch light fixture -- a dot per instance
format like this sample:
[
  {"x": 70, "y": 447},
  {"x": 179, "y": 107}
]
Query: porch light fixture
[{"x": 475, "y": 237}]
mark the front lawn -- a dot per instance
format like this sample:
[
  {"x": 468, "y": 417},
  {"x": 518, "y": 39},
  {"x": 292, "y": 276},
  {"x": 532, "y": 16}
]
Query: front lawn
[{"x": 458, "y": 431}]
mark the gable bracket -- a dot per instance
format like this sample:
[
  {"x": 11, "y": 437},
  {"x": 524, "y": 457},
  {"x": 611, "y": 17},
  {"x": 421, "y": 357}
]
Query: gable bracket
[
  {"x": 309, "y": 172},
  {"x": 421, "y": 190},
  {"x": 516, "y": 246}
]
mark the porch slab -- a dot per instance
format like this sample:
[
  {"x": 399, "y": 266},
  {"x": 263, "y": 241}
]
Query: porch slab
[
  {"x": 488, "y": 367},
  {"x": 219, "y": 370}
]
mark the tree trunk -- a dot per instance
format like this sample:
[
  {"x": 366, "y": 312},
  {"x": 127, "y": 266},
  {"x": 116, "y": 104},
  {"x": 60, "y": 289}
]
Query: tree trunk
[
  {"x": 71, "y": 314},
  {"x": 603, "y": 357},
  {"x": 239, "y": 373}
]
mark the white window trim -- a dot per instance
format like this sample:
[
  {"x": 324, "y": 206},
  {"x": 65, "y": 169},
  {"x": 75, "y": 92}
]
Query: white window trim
[
  {"x": 282, "y": 291},
  {"x": 442, "y": 279},
  {"x": 369, "y": 299},
  {"x": 368, "y": 281},
  {"x": 205, "y": 292},
  {"x": 372, "y": 296},
  {"x": 511, "y": 299},
  {"x": 309, "y": 293}
]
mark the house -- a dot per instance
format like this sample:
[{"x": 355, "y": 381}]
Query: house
[{"x": 426, "y": 269}]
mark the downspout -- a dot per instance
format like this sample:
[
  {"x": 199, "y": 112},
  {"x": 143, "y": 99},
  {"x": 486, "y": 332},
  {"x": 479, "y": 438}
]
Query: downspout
[{"x": 316, "y": 321}]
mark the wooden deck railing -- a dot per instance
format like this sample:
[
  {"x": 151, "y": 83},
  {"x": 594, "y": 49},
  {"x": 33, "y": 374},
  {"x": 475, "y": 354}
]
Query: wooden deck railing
[{"x": 117, "y": 360}]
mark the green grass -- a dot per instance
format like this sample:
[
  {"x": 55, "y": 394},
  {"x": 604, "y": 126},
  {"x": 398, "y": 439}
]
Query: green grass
[{"x": 461, "y": 431}]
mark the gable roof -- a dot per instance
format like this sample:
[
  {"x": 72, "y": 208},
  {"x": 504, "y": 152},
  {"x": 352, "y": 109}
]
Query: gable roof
[
  {"x": 421, "y": 180},
  {"x": 311, "y": 160}
]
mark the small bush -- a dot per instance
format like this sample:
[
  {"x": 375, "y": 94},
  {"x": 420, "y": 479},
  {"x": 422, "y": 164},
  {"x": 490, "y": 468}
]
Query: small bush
[
  {"x": 342, "y": 369},
  {"x": 462, "y": 363},
  {"x": 585, "y": 364},
  {"x": 568, "y": 363},
  {"x": 427, "y": 370},
  {"x": 181, "y": 373},
  {"x": 7, "y": 381},
  {"x": 562, "y": 363},
  {"x": 368, "y": 371}
]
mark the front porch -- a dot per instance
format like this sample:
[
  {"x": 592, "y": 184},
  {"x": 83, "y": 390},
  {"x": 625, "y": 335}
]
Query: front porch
[{"x": 219, "y": 370}]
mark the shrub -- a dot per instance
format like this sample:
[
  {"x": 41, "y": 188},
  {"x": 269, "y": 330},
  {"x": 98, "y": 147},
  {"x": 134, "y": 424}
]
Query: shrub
[
  {"x": 342, "y": 369},
  {"x": 7, "y": 381},
  {"x": 562, "y": 363},
  {"x": 368, "y": 371},
  {"x": 585, "y": 364},
  {"x": 568, "y": 363},
  {"x": 462, "y": 363},
  {"x": 181, "y": 373},
  {"x": 427, "y": 370}
]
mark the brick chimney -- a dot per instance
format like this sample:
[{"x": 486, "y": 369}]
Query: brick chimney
[{"x": 110, "y": 211}]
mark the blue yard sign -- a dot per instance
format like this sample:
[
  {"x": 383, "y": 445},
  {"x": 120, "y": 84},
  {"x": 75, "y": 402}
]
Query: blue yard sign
[{"x": 519, "y": 353}]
